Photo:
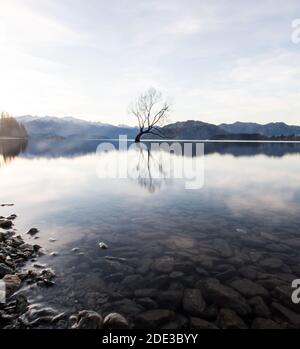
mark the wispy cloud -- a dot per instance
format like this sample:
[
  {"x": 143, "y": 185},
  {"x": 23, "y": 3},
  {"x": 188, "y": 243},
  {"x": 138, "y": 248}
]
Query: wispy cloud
[{"x": 220, "y": 60}]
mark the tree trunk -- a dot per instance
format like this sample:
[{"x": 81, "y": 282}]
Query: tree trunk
[{"x": 138, "y": 137}]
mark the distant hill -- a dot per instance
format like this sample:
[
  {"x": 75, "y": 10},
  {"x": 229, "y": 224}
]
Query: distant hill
[
  {"x": 11, "y": 128},
  {"x": 269, "y": 130},
  {"x": 49, "y": 127},
  {"x": 69, "y": 127},
  {"x": 189, "y": 130}
]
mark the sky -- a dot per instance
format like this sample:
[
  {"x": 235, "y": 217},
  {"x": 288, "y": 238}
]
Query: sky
[{"x": 217, "y": 60}]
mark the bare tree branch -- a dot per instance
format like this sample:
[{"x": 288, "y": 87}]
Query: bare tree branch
[{"x": 151, "y": 111}]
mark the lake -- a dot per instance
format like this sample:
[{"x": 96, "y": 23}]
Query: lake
[{"x": 164, "y": 240}]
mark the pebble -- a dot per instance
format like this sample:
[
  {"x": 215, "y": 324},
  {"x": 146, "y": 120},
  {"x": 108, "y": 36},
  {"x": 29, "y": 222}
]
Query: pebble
[
  {"x": 33, "y": 231},
  {"x": 103, "y": 246}
]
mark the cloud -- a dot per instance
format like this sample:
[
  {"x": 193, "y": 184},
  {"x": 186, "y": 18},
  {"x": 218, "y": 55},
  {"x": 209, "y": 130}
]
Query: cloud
[
  {"x": 219, "y": 60},
  {"x": 187, "y": 26},
  {"x": 263, "y": 88},
  {"x": 23, "y": 25}
]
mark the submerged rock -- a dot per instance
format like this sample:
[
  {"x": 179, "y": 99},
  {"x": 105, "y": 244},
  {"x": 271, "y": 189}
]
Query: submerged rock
[
  {"x": 271, "y": 263},
  {"x": 147, "y": 303},
  {"x": 249, "y": 289},
  {"x": 225, "y": 296},
  {"x": 292, "y": 317},
  {"x": 170, "y": 299},
  {"x": 248, "y": 272},
  {"x": 228, "y": 319},
  {"x": 265, "y": 324},
  {"x": 222, "y": 247},
  {"x": 155, "y": 318},
  {"x": 146, "y": 292},
  {"x": 193, "y": 302},
  {"x": 88, "y": 320},
  {"x": 115, "y": 321},
  {"x": 200, "y": 324},
  {"x": 260, "y": 308},
  {"x": 164, "y": 264}
]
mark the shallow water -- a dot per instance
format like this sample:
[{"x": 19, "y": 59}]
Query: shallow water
[{"x": 160, "y": 235}]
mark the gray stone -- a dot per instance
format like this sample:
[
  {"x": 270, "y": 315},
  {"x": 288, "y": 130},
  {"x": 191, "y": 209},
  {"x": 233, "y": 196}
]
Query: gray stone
[
  {"x": 228, "y": 319},
  {"x": 270, "y": 237},
  {"x": 249, "y": 289},
  {"x": 222, "y": 247},
  {"x": 146, "y": 292},
  {"x": 179, "y": 323},
  {"x": 248, "y": 272},
  {"x": 265, "y": 324},
  {"x": 5, "y": 269},
  {"x": 202, "y": 272},
  {"x": 292, "y": 317},
  {"x": 103, "y": 246},
  {"x": 155, "y": 318},
  {"x": 33, "y": 231},
  {"x": 5, "y": 224},
  {"x": 88, "y": 320},
  {"x": 227, "y": 275},
  {"x": 284, "y": 294},
  {"x": 127, "y": 307},
  {"x": 193, "y": 302},
  {"x": 176, "y": 275},
  {"x": 133, "y": 281},
  {"x": 147, "y": 303},
  {"x": 225, "y": 296},
  {"x": 210, "y": 313},
  {"x": 164, "y": 264},
  {"x": 260, "y": 308},
  {"x": 199, "y": 324},
  {"x": 115, "y": 321},
  {"x": 271, "y": 284},
  {"x": 271, "y": 263},
  {"x": 170, "y": 299}
]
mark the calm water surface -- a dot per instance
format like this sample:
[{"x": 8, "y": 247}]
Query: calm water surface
[{"x": 160, "y": 235}]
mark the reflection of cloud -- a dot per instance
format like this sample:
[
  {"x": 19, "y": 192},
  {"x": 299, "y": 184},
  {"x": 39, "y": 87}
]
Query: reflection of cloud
[
  {"x": 255, "y": 201},
  {"x": 254, "y": 184}
]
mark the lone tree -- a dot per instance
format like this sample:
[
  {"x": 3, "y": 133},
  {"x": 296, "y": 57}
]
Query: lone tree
[{"x": 151, "y": 111}]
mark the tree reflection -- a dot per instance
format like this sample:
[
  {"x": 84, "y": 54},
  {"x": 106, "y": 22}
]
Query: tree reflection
[
  {"x": 149, "y": 168},
  {"x": 11, "y": 148}
]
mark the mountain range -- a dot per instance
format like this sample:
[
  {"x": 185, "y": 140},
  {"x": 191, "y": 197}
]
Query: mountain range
[{"x": 69, "y": 127}]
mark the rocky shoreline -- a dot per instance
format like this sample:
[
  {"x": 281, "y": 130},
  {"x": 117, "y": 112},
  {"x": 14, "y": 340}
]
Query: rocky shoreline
[
  {"x": 17, "y": 312},
  {"x": 14, "y": 254},
  {"x": 229, "y": 288}
]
